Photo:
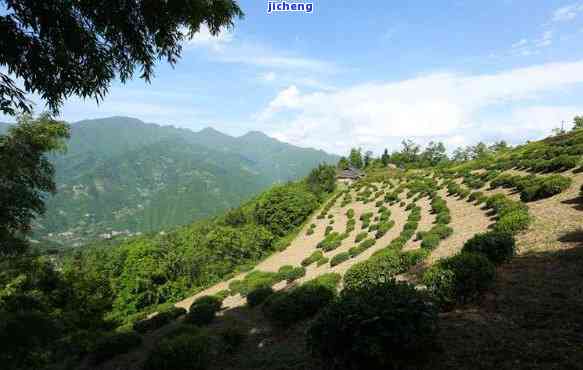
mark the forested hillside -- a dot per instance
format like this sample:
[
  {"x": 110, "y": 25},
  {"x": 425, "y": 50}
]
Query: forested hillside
[
  {"x": 121, "y": 176},
  {"x": 429, "y": 265}
]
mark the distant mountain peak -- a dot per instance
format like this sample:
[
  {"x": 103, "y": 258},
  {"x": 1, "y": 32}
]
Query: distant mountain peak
[
  {"x": 257, "y": 135},
  {"x": 211, "y": 131}
]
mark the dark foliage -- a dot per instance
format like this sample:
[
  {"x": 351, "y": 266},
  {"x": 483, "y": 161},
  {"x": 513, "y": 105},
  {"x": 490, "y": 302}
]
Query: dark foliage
[
  {"x": 383, "y": 326},
  {"x": 499, "y": 247},
  {"x": 65, "y": 48},
  {"x": 203, "y": 310}
]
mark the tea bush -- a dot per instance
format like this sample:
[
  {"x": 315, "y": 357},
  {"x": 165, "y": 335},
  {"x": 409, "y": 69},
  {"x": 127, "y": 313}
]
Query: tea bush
[
  {"x": 114, "y": 344},
  {"x": 203, "y": 310},
  {"x": 360, "y": 236},
  {"x": 159, "y": 320},
  {"x": 460, "y": 278},
  {"x": 401, "y": 335},
  {"x": 259, "y": 295},
  {"x": 513, "y": 222},
  {"x": 188, "y": 351},
  {"x": 383, "y": 228},
  {"x": 285, "y": 308},
  {"x": 313, "y": 258},
  {"x": 339, "y": 258},
  {"x": 330, "y": 242},
  {"x": 290, "y": 273},
  {"x": 498, "y": 246}
]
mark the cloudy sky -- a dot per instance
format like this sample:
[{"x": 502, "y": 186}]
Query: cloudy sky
[{"x": 371, "y": 73}]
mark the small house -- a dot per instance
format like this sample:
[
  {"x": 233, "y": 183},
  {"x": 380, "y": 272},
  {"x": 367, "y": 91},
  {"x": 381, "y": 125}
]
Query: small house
[{"x": 349, "y": 175}]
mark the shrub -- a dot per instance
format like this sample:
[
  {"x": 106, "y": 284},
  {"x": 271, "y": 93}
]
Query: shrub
[
  {"x": 387, "y": 326},
  {"x": 367, "y": 244},
  {"x": 290, "y": 273},
  {"x": 411, "y": 225},
  {"x": 328, "y": 230},
  {"x": 552, "y": 185},
  {"x": 460, "y": 278},
  {"x": 443, "y": 218},
  {"x": 253, "y": 280},
  {"x": 354, "y": 251},
  {"x": 188, "y": 351},
  {"x": 159, "y": 320},
  {"x": 203, "y": 310},
  {"x": 115, "y": 344},
  {"x": 285, "y": 308},
  {"x": 310, "y": 231},
  {"x": 412, "y": 258},
  {"x": 384, "y": 228},
  {"x": 232, "y": 338},
  {"x": 498, "y": 246},
  {"x": 477, "y": 195},
  {"x": 313, "y": 258},
  {"x": 258, "y": 295},
  {"x": 361, "y": 236},
  {"x": 380, "y": 268},
  {"x": 442, "y": 231},
  {"x": 339, "y": 258},
  {"x": 350, "y": 213},
  {"x": 322, "y": 261},
  {"x": 329, "y": 280},
  {"x": 330, "y": 242},
  {"x": 222, "y": 294},
  {"x": 430, "y": 241},
  {"x": 365, "y": 216},
  {"x": 513, "y": 222}
]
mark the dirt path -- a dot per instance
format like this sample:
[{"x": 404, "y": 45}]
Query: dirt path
[
  {"x": 303, "y": 245},
  {"x": 533, "y": 317},
  {"x": 466, "y": 221},
  {"x": 426, "y": 223}
]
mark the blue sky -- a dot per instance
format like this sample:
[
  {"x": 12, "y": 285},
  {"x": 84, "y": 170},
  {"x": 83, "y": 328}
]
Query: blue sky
[{"x": 372, "y": 73}]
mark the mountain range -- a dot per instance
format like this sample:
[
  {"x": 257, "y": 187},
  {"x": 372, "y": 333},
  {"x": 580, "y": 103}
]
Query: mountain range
[{"x": 121, "y": 176}]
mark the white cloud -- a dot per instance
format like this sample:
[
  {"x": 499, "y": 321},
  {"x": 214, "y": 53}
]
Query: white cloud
[
  {"x": 567, "y": 13},
  {"x": 446, "y": 106},
  {"x": 225, "y": 48},
  {"x": 525, "y": 47},
  {"x": 204, "y": 38},
  {"x": 268, "y": 77}
]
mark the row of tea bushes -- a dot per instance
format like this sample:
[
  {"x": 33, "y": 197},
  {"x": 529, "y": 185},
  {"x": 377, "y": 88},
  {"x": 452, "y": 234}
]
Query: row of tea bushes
[{"x": 533, "y": 187}]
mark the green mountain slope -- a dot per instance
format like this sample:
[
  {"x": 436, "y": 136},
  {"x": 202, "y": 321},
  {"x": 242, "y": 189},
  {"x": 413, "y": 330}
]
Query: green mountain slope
[{"x": 122, "y": 176}]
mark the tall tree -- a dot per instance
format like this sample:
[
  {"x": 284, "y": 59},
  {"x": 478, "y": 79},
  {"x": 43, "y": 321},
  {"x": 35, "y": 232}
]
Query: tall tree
[
  {"x": 480, "y": 151},
  {"x": 343, "y": 163},
  {"x": 499, "y": 146},
  {"x": 461, "y": 154},
  {"x": 64, "y": 48},
  {"x": 26, "y": 175},
  {"x": 355, "y": 157},
  {"x": 322, "y": 179},
  {"x": 434, "y": 153},
  {"x": 385, "y": 157},
  {"x": 367, "y": 158},
  {"x": 410, "y": 151},
  {"x": 578, "y": 122}
]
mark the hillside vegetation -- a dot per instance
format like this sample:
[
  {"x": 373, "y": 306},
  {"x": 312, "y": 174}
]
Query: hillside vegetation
[
  {"x": 121, "y": 177},
  {"x": 439, "y": 264},
  {"x": 491, "y": 244}
]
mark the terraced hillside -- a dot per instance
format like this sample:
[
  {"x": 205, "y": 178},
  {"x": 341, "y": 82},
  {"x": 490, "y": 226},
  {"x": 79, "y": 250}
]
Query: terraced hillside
[{"x": 411, "y": 227}]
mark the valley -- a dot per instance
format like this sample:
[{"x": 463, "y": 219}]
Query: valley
[{"x": 146, "y": 178}]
